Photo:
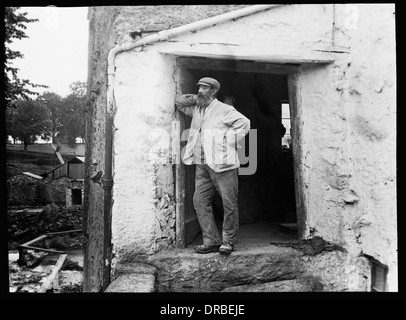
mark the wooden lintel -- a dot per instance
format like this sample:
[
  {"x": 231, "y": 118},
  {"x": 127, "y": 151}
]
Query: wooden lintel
[
  {"x": 237, "y": 65},
  {"x": 273, "y": 55}
]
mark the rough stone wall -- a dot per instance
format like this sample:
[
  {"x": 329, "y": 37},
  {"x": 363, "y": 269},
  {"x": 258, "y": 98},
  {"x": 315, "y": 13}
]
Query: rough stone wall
[
  {"x": 101, "y": 40},
  {"x": 26, "y": 224},
  {"x": 338, "y": 271},
  {"x": 373, "y": 128},
  {"x": 134, "y": 18},
  {"x": 143, "y": 211},
  {"x": 21, "y": 190},
  {"x": 349, "y": 138},
  {"x": 57, "y": 189}
]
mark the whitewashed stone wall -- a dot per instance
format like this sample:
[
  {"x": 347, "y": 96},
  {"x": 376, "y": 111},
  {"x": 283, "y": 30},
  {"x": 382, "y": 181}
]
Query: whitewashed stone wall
[
  {"x": 349, "y": 139},
  {"x": 143, "y": 210},
  {"x": 348, "y": 111}
]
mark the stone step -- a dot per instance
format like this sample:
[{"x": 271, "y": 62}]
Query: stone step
[
  {"x": 183, "y": 270},
  {"x": 283, "y": 266},
  {"x": 133, "y": 277},
  {"x": 305, "y": 284}
]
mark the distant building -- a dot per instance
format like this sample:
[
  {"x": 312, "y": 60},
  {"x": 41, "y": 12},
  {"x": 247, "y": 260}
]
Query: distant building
[
  {"x": 74, "y": 169},
  {"x": 68, "y": 179},
  {"x": 62, "y": 186}
]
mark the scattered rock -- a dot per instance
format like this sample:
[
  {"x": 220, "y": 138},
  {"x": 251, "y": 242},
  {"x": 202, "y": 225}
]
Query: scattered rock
[
  {"x": 133, "y": 283},
  {"x": 71, "y": 265},
  {"x": 70, "y": 281}
]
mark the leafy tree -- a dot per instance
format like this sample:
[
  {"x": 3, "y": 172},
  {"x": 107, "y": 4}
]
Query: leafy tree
[
  {"x": 15, "y": 88},
  {"x": 72, "y": 115},
  {"x": 27, "y": 120},
  {"x": 54, "y": 103},
  {"x": 79, "y": 89},
  {"x": 67, "y": 114},
  {"x": 50, "y": 116}
]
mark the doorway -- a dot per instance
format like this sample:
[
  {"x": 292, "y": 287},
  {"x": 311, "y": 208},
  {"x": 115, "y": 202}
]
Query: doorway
[
  {"x": 76, "y": 196},
  {"x": 260, "y": 92}
]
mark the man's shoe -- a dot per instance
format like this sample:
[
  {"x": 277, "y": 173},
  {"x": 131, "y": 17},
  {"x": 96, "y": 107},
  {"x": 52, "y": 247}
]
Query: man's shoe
[
  {"x": 206, "y": 249},
  {"x": 226, "y": 248}
]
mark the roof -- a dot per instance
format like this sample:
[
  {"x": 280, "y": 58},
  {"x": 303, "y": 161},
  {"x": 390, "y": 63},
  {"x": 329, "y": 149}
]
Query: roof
[
  {"x": 32, "y": 175},
  {"x": 76, "y": 159}
]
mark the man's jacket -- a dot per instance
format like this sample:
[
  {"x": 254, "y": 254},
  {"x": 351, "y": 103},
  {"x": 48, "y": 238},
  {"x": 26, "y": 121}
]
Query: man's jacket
[{"x": 222, "y": 127}]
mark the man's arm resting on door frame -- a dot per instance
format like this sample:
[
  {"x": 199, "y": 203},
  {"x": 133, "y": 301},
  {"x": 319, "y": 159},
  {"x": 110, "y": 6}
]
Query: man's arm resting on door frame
[{"x": 186, "y": 103}]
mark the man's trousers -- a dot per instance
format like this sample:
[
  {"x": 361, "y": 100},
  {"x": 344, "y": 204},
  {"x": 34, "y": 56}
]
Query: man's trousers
[{"x": 226, "y": 183}]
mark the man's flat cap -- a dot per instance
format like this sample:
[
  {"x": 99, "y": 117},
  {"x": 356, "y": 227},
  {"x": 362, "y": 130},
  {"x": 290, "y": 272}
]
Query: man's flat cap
[{"x": 209, "y": 82}]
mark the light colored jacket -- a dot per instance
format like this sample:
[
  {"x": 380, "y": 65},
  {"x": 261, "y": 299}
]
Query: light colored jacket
[{"x": 222, "y": 128}]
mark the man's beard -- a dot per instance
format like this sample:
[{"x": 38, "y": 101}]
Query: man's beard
[{"x": 203, "y": 100}]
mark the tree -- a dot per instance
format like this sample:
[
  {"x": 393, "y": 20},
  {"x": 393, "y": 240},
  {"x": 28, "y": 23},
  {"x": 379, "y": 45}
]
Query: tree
[
  {"x": 15, "y": 88},
  {"x": 78, "y": 88},
  {"x": 72, "y": 115},
  {"x": 54, "y": 103},
  {"x": 67, "y": 114},
  {"x": 27, "y": 120}
]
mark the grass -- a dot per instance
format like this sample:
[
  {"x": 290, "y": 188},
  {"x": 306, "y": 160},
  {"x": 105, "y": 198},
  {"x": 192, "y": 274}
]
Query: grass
[{"x": 39, "y": 166}]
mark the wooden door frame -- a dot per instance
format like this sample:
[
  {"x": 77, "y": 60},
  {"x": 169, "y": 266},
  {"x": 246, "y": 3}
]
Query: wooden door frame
[
  {"x": 180, "y": 172},
  {"x": 179, "y": 180},
  {"x": 295, "y": 109},
  {"x": 292, "y": 72}
]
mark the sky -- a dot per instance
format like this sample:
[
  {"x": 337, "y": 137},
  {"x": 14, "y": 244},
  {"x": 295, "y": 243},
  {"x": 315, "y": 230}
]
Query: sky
[{"x": 55, "y": 54}]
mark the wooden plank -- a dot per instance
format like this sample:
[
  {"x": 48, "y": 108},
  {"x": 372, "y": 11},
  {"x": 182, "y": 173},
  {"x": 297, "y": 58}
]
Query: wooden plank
[
  {"x": 277, "y": 54},
  {"x": 73, "y": 170},
  {"x": 295, "y": 113},
  {"x": 176, "y": 142},
  {"x": 41, "y": 249},
  {"x": 59, "y": 157},
  {"x": 34, "y": 240},
  {"x": 191, "y": 225},
  {"x": 180, "y": 193},
  {"x": 63, "y": 232},
  {"x": 49, "y": 281}
]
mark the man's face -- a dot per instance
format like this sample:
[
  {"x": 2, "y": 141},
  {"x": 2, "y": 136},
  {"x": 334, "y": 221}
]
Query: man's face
[{"x": 205, "y": 95}]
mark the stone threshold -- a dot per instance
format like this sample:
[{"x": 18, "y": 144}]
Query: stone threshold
[{"x": 269, "y": 269}]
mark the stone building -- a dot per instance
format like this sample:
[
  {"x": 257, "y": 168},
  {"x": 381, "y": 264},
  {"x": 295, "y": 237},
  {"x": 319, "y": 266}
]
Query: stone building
[
  {"x": 327, "y": 71},
  {"x": 66, "y": 182}
]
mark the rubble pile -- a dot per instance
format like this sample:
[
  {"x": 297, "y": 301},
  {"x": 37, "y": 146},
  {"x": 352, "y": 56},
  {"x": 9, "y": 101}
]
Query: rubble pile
[
  {"x": 28, "y": 279},
  {"x": 19, "y": 185},
  {"x": 25, "y": 224}
]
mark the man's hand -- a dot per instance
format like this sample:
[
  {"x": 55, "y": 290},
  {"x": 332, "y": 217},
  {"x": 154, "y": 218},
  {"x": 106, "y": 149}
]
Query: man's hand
[
  {"x": 186, "y": 100},
  {"x": 186, "y": 103}
]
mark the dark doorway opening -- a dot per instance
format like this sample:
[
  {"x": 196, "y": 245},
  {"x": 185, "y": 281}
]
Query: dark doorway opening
[
  {"x": 268, "y": 195},
  {"x": 76, "y": 196}
]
